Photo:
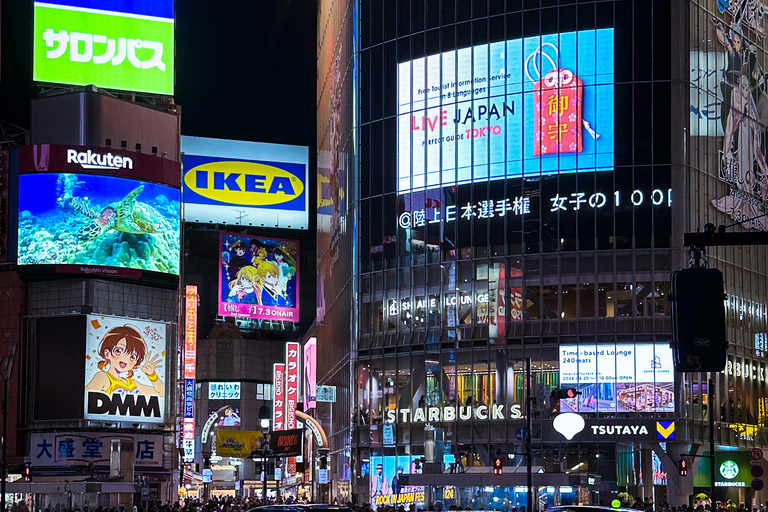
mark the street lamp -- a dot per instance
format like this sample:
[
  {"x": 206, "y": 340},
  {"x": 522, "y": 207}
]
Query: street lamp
[
  {"x": 6, "y": 367},
  {"x": 264, "y": 416}
]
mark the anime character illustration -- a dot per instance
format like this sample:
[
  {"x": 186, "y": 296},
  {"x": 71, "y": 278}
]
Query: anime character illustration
[
  {"x": 123, "y": 350},
  {"x": 286, "y": 264},
  {"x": 742, "y": 161},
  {"x": 258, "y": 252},
  {"x": 268, "y": 274},
  {"x": 243, "y": 289},
  {"x": 237, "y": 261}
]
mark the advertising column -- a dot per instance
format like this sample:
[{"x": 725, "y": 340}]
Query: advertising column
[{"x": 190, "y": 356}]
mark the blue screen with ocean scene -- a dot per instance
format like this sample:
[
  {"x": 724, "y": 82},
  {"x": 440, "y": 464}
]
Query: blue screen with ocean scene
[{"x": 85, "y": 219}]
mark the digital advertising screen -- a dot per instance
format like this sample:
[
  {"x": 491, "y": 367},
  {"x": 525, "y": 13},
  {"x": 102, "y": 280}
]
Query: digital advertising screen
[
  {"x": 517, "y": 108},
  {"x": 103, "y": 224},
  {"x": 258, "y": 277},
  {"x": 230, "y": 417},
  {"x": 618, "y": 377},
  {"x": 243, "y": 183},
  {"x": 125, "y": 369},
  {"x": 115, "y": 44}
]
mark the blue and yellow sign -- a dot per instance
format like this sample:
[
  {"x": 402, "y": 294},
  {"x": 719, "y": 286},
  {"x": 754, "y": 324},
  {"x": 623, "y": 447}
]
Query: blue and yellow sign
[
  {"x": 665, "y": 430},
  {"x": 245, "y": 183}
]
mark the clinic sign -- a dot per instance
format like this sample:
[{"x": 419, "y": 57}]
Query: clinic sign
[
  {"x": 125, "y": 45},
  {"x": 453, "y": 413},
  {"x": 242, "y": 183}
]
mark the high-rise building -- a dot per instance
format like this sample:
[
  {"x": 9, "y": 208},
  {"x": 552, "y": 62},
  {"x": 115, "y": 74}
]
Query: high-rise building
[{"x": 503, "y": 191}]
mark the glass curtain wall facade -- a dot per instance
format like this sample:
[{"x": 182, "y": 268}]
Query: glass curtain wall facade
[{"x": 511, "y": 181}]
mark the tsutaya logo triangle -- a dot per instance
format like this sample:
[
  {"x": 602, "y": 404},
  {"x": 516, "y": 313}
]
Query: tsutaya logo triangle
[{"x": 568, "y": 424}]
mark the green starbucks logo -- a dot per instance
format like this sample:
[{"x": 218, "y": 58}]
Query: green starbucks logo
[{"x": 729, "y": 469}]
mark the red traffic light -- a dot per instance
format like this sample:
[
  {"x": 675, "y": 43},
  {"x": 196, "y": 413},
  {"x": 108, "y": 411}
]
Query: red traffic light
[
  {"x": 498, "y": 468},
  {"x": 682, "y": 467}
]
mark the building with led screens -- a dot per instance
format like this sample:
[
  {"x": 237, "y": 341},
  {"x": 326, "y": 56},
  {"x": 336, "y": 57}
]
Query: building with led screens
[{"x": 524, "y": 173}]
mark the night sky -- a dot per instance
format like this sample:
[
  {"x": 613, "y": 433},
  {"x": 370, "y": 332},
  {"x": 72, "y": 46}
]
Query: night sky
[{"x": 245, "y": 69}]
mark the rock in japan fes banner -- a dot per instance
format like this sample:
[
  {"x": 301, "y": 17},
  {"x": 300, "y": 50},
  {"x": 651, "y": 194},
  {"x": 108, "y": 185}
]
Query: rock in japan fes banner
[{"x": 258, "y": 278}]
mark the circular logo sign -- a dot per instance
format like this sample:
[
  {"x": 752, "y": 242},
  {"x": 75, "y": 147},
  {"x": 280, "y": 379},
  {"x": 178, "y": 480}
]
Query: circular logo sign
[
  {"x": 615, "y": 503},
  {"x": 729, "y": 469}
]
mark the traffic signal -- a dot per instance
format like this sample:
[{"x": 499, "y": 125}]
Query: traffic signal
[
  {"x": 698, "y": 320},
  {"x": 498, "y": 467},
  {"x": 27, "y": 473},
  {"x": 560, "y": 394},
  {"x": 682, "y": 466}
]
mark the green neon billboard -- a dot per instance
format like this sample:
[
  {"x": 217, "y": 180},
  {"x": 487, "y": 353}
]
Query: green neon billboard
[{"x": 113, "y": 50}]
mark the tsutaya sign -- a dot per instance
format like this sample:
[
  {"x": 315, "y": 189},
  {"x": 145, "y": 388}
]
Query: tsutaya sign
[{"x": 453, "y": 413}]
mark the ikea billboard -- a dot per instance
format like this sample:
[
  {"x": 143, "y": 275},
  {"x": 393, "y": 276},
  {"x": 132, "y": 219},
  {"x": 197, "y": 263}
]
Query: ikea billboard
[
  {"x": 115, "y": 44},
  {"x": 245, "y": 183}
]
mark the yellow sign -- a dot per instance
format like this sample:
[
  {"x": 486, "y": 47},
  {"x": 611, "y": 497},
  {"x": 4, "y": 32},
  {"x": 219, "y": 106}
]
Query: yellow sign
[
  {"x": 665, "y": 431},
  {"x": 244, "y": 183},
  {"x": 449, "y": 492},
  {"x": 237, "y": 443}
]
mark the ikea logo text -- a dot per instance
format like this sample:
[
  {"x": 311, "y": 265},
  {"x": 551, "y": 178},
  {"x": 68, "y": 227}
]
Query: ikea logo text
[{"x": 244, "y": 183}]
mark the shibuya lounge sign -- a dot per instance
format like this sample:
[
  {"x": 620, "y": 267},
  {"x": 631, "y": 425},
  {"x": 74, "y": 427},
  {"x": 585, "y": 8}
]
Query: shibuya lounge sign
[{"x": 453, "y": 413}]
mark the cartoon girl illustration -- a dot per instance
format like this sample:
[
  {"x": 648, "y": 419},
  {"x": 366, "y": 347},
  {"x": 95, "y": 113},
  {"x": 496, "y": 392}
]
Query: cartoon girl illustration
[
  {"x": 122, "y": 351},
  {"x": 243, "y": 288}
]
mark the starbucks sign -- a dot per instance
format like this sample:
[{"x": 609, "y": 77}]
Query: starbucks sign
[{"x": 729, "y": 469}]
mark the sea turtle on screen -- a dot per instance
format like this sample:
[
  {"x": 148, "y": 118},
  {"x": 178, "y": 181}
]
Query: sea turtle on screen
[{"x": 127, "y": 215}]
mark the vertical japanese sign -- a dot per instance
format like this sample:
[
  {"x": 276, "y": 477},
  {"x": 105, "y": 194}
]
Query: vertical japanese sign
[
  {"x": 278, "y": 384},
  {"x": 291, "y": 383},
  {"x": 190, "y": 362},
  {"x": 292, "y": 386}
]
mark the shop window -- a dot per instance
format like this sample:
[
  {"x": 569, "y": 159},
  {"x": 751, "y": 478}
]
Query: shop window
[
  {"x": 365, "y": 318},
  {"x": 378, "y": 316},
  {"x": 549, "y": 299},
  {"x": 532, "y": 301},
  {"x": 624, "y": 294},
  {"x": 606, "y": 300},
  {"x": 661, "y": 300},
  {"x": 465, "y": 308},
  {"x": 569, "y": 301},
  {"x": 586, "y": 300},
  {"x": 450, "y": 310}
]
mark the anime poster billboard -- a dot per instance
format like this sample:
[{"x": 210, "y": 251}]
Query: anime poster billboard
[
  {"x": 125, "y": 369},
  {"x": 258, "y": 278},
  {"x": 739, "y": 80},
  {"x": 90, "y": 222},
  {"x": 523, "y": 107}
]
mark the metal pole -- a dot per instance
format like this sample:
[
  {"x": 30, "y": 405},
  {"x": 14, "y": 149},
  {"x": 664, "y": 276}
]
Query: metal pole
[
  {"x": 712, "y": 440},
  {"x": 264, "y": 481},
  {"x": 5, "y": 439},
  {"x": 528, "y": 423}
]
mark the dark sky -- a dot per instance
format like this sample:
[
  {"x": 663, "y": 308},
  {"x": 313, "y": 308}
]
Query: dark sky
[{"x": 245, "y": 69}]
